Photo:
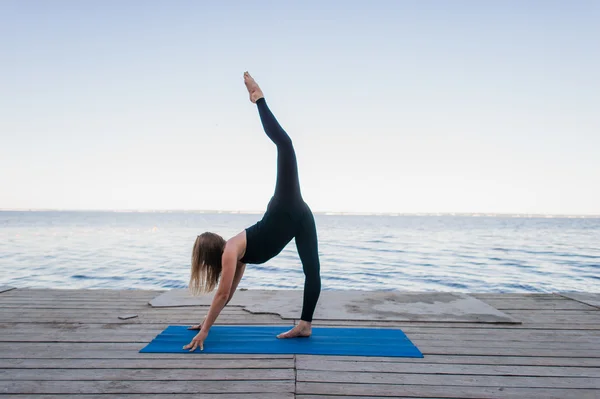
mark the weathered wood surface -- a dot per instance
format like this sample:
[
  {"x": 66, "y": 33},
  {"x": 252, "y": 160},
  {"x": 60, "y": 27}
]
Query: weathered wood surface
[
  {"x": 69, "y": 343},
  {"x": 5, "y": 288},
  {"x": 239, "y": 395},
  {"x": 197, "y": 386}
]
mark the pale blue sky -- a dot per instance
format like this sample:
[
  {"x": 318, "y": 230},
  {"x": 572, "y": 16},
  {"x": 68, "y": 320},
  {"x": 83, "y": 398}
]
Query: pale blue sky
[{"x": 393, "y": 106}]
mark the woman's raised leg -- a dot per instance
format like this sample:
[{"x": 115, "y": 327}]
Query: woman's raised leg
[{"x": 288, "y": 185}]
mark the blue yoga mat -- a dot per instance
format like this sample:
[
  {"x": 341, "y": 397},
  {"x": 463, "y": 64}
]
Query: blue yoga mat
[{"x": 263, "y": 340}]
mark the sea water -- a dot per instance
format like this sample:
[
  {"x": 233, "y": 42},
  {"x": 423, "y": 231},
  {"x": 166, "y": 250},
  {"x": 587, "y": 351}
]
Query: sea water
[{"x": 136, "y": 250}]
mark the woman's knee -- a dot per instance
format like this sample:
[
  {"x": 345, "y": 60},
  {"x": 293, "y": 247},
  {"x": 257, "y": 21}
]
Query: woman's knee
[{"x": 284, "y": 143}]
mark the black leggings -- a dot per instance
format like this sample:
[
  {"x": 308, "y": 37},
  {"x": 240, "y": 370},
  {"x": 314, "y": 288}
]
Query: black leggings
[{"x": 287, "y": 217}]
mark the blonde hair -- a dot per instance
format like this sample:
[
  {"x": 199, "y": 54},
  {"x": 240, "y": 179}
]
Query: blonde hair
[{"x": 206, "y": 263}]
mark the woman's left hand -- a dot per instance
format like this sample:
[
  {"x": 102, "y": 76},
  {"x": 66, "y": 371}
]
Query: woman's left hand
[{"x": 198, "y": 341}]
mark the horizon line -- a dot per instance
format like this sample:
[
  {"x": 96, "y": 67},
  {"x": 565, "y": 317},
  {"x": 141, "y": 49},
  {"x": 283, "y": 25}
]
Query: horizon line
[{"x": 326, "y": 213}]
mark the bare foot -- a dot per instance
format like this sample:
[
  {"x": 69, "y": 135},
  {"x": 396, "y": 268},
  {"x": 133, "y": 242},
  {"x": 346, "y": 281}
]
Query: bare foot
[
  {"x": 303, "y": 329},
  {"x": 255, "y": 91}
]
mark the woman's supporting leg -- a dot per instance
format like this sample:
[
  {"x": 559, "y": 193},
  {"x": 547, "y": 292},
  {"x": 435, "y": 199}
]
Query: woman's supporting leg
[
  {"x": 288, "y": 185},
  {"x": 308, "y": 249},
  {"x": 306, "y": 242}
]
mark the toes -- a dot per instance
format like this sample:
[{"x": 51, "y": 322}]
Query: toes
[{"x": 287, "y": 334}]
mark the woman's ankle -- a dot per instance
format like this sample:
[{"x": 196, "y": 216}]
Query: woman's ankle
[{"x": 304, "y": 323}]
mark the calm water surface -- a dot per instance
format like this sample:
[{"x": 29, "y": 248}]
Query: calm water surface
[{"x": 416, "y": 253}]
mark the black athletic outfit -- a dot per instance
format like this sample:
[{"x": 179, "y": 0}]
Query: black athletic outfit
[{"x": 287, "y": 217}]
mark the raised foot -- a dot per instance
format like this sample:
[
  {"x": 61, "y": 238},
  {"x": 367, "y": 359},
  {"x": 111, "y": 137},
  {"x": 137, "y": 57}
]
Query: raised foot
[
  {"x": 300, "y": 331},
  {"x": 253, "y": 88}
]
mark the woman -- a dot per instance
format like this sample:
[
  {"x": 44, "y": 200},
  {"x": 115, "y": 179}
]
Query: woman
[{"x": 287, "y": 217}]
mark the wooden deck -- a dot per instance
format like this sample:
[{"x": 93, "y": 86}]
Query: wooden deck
[{"x": 69, "y": 343}]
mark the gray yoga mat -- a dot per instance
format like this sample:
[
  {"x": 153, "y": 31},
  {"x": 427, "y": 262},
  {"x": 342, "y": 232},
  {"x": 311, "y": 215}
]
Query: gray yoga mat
[
  {"x": 5, "y": 288},
  {"x": 354, "y": 305},
  {"x": 592, "y": 299}
]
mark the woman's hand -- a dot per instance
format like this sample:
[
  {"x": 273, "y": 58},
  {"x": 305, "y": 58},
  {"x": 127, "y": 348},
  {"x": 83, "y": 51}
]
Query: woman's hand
[
  {"x": 198, "y": 341},
  {"x": 197, "y": 326}
]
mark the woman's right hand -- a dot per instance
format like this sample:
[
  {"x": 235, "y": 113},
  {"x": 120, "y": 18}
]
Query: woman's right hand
[{"x": 197, "y": 326}]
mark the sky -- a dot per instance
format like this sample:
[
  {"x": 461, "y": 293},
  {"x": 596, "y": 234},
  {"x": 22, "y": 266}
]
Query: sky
[{"x": 393, "y": 106}]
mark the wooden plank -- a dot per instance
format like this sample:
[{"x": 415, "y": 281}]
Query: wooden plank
[
  {"x": 458, "y": 392},
  {"x": 126, "y": 328},
  {"x": 114, "y": 346},
  {"x": 143, "y": 334},
  {"x": 188, "y": 362},
  {"x": 438, "y": 343},
  {"x": 592, "y": 321},
  {"x": 552, "y": 349},
  {"x": 75, "y": 302},
  {"x": 24, "y": 312},
  {"x": 82, "y": 293},
  {"x": 423, "y": 332},
  {"x": 98, "y": 312},
  {"x": 73, "y": 298},
  {"x": 13, "y": 314},
  {"x": 523, "y": 304},
  {"x": 48, "y": 330},
  {"x": 312, "y": 364},
  {"x": 503, "y": 332},
  {"x": 116, "y": 350},
  {"x": 89, "y": 299},
  {"x": 7, "y": 298},
  {"x": 513, "y": 394},
  {"x": 34, "y": 312},
  {"x": 519, "y": 295},
  {"x": 441, "y": 334},
  {"x": 240, "y": 395},
  {"x": 117, "y": 374},
  {"x": 150, "y": 324},
  {"x": 523, "y": 336},
  {"x": 527, "y": 325},
  {"x": 9, "y": 335},
  {"x": 143, "y": 337},
  {"x": 75, "y": 292},
  {"x": 80, "y": 307},
  {"x": 405, "y": 326},
  {"x": 144, "y": 387},
  {"x": 399, "y": 396},
  {"x": 126, "y": 350},
  {"x": 55, "y": 353},
  {"x": 141, "y": 319},
  {"x": 340, "y": 377},
  {"x": 187, "y": 321},
  {"x": 511, "y": 352},
  {"x": 460, "y": 359},
  {"x": 67, "y": 307},
  {"x": 552, "y": 312}
]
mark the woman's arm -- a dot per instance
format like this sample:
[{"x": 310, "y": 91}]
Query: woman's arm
[
  {"x": 239, "y": 272},
  {"x": 224, "y": 291},
  {"x": 222, "y": 296}
]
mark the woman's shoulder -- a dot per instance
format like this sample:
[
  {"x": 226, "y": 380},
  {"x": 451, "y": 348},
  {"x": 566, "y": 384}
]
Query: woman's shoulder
[{"x": 236, "y": 244}]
